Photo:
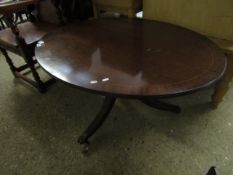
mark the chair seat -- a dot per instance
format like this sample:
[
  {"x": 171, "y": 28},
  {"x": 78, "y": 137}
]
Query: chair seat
[{"x": 31, "y": 32}]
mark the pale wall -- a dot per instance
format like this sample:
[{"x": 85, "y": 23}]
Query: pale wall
[{"x": 210, "y": 17}]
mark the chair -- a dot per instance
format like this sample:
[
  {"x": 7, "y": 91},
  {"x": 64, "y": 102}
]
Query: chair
[
  {"x": 125, "y": 7},
  {"x": 20, "y": 17},
  {"x": 223, "y": 86},
  {"x": 2, "y": 24},
  {"x": 21, "y": 39}
]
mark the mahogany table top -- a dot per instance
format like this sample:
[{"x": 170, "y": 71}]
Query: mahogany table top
[{"x": 131, "y": 58}]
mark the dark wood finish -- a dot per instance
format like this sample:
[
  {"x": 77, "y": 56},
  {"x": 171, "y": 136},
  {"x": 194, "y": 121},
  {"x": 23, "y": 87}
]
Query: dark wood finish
[
  {"x": 30, "y": 32},
  {"x": 131, "y": 58},
  {"x": 212, "y": 171},
  {"x": 98, "y": 121},
  {"x": 2, "y": 25},
  {"x": 21, "y": 37}
]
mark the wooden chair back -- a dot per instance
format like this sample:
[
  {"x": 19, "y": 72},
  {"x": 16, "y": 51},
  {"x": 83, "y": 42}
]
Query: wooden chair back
[{"x": 25, "y": 15}]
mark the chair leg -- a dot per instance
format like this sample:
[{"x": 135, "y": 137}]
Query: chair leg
[
  {"x": 2, "y": 24},
  {"x": 223, "y": 86},
  {"x": 30, "y": 64},
  {"x": 40, "y": 85},
  {"x": 9, "y": 62}
]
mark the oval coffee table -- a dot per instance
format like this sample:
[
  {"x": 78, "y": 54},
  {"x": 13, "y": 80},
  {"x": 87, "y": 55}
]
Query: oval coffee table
[{"x": 138, "y": 59}]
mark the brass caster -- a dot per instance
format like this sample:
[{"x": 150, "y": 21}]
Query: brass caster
[{"x": 85, "y": 148}]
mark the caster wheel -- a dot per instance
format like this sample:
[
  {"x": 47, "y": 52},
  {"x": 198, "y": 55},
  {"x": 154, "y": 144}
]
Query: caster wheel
[{"x": 85, "y": 148}]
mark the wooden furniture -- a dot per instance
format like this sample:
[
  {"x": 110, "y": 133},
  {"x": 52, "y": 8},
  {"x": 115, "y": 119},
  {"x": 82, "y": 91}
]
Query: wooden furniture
[
  {"x": 212, "y": 171},
  {"x": 223, "y": 86},
  {"x": 214, "y": 20},
  {"x": 22, "y": 38},
  {"x": 138, "y": 59},
  {"x": 18, "y": 17},
  {"x": 2, "y": 25},
  {"x": 125, "y": 7}
]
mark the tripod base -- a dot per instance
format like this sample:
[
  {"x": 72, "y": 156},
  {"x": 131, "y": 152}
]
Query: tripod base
[{"x": 106, "y": 109}]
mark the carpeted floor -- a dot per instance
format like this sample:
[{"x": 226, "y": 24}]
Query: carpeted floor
[{"x": 38, "y": 134}]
